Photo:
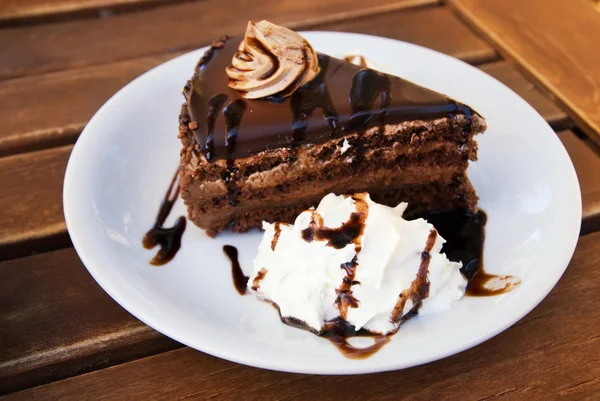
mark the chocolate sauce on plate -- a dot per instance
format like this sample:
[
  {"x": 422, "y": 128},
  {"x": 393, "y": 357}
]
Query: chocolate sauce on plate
[
  {"x": 169, "y": 239},
  {"x": 240, "y": 280},
  {"x": 465, "y": 234},
  {"x": 338, "y": 331}
]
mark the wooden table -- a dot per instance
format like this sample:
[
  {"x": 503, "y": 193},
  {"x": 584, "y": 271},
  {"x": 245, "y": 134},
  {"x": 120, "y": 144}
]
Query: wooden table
[{"x": 61, "y": 336}]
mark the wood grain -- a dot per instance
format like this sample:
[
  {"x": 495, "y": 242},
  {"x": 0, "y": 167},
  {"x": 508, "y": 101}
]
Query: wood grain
[
  {"x": 52, "y": 109},
  {"x": 31, "y": 202},
  {"x": 36, "y": 49},
  {"x": 552, "y": 352},
  {"x": 509, "y": 75},
  {"x": 434, "y": 27},
  {"x": 55, "y": 322},
  {"x": 587, "y": 166},
  {"x": 14, "y": 11},
  {"x": 555, "y": 43}
]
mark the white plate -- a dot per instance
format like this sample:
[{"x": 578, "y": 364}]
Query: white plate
[{"x": 125, "y": 157}]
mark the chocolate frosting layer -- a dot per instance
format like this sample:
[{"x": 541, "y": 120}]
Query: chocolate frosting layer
[{"x": 343, "y": 98}]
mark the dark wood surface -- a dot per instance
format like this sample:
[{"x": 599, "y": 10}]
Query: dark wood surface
[
  {"x": 57, "y": 322},
  {"x": 31, "y": 202},
  {"x": 434, "y": 27},
  {"x": 555, "y": 42},
  {"x": 62, "y": 337}
]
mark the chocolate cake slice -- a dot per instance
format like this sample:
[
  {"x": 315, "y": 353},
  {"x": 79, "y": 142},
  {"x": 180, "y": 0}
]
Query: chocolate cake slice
[{"x": 265, "y": 140}]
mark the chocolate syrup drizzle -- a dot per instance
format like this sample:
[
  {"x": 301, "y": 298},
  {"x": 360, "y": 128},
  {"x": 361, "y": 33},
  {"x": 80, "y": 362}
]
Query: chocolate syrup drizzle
[
  {"x": 276, "y": 235},
  {"x": 169, "y": 239},
  {"x": 215, "y": 104},
  {"x": 338, "y": 330},
  {"x": 367, "y": 86},
  {"x": 233, "y": 114},
  {"x": 311, "y": 96},
  {"x": 240, "y": 280},
  {"x": 419, "y": 288}
]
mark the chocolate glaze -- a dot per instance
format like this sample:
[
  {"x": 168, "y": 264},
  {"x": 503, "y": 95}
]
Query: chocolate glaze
[
  {"x": 169, "y": 239},
  {"x": 314, "y": 95},
  {"x": 215, "y": 104},
  {"x": 233, "y": 114},
  {"x": 347, "y": 95},
  {"x": 367, "y": 86},
  {"x": 240, "y": 281}
]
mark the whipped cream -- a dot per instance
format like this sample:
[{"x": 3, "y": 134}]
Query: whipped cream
[
  {"x": 271, "y": 60},
  {"x": 358, "y": 260}
]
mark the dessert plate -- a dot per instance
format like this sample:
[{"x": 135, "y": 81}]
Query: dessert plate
[{"x": 125, "y": 158}]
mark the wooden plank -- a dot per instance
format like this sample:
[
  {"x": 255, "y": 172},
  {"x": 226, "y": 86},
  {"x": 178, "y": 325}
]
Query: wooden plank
[
  {"x": 79, "y": 43},
  {"x": 509, "y": 75},
  {"x": 587, "y": 164},
  {"x": 555, "y": 43},
  {"x": 18, "y": 10},
  {"x": 51, "y": 109},
  {"x": 57, "y": 322},
  {"x": 434, "y": 27},
  {"x": 31, "y": 202},
  {"x": 552, "y": 352}
]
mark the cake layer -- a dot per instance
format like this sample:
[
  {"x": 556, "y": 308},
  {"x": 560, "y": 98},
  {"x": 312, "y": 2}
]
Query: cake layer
[
  {"x": 421, "y": 198},
  {"x": 406, "y": 138},
  {"x": 289, "y": 181}
]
